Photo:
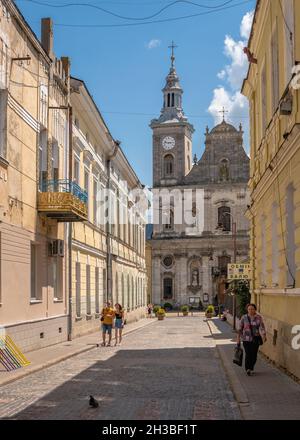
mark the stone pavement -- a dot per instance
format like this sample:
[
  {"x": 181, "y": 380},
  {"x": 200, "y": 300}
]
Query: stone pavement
[
  {"x": 168, "y": 370},
  {"x": 48, "y": 356},
  {"x": 268, "y": 394}
]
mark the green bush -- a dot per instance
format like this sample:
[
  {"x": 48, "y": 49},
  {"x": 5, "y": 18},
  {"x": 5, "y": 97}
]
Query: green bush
[
  {"x": 243, "y": 297},
  {"x": 210, "y": 309},
  {"x": 161, "y": 311},
  {"x": 185, "y": 308},
  {"x": 168, "y": 306}
]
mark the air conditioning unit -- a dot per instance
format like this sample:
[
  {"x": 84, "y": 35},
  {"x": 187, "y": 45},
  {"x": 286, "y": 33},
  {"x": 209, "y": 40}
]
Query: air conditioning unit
[{"x": 57, "y": 248}]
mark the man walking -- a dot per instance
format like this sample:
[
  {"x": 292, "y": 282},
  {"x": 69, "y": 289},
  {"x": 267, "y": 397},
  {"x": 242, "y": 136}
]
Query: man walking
[{"x": 107, "y": 317}]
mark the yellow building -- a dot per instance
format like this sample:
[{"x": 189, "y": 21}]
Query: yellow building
[
  {"x": 108, "y": 257},
  {"x": 36, "y": 197},
  {"x": 274, "y": 96}
]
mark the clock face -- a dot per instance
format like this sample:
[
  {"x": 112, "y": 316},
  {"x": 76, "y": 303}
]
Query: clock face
[{"x": 168, "y": 142}]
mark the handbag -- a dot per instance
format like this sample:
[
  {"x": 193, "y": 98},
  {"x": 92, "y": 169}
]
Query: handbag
[
  {"x": 238, "y": 356},
  {"x": 258, "y": 338}
]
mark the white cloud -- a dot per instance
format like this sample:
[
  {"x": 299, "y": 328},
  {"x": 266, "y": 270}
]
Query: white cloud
[
  {"x": 235, "y": 103},
  {"x": 246, "y": 25},
  {"x": 222, "y": 74},
  {"x": 153, "y": 44},
  {"x": 233, "y": 74}
]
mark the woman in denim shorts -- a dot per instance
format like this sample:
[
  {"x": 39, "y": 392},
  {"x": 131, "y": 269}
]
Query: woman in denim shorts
[{"x": 119, "y": 323}]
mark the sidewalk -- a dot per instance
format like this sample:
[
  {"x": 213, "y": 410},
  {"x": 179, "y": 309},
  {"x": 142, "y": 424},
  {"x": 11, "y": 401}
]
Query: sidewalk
[
  {"x": 48, "y": 356},
  {"x": 269, "y": 394}
]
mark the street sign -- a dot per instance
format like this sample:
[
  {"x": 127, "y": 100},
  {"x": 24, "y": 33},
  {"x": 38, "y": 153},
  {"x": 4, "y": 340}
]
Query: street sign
[{"x": 238, "y": 271}]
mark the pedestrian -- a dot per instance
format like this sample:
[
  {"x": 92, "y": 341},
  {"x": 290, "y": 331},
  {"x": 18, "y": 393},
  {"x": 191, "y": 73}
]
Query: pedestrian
[
  {"x": 149, "y": 310},
  {"x": 253, "y": 334},
  {"x": 119, "y": 323},
  {"x": 107, "y": 317}
]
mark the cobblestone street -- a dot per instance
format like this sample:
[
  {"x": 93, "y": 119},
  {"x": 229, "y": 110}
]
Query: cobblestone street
[{"x": 168, "y": 370}]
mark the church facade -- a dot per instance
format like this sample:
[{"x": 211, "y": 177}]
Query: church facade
[{"x": 190, "y": 253}]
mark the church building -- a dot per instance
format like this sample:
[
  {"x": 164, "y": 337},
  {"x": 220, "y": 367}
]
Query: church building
[{"x": 189, "y": 261}]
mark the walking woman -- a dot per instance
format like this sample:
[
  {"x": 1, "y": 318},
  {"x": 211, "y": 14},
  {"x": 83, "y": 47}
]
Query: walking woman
[
  {"x": 119, "y": 323},
  {"x": 253, "y": 334}
]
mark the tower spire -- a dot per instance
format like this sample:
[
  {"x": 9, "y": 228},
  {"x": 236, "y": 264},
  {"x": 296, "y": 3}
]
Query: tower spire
[{"x": 172, "y": 47}]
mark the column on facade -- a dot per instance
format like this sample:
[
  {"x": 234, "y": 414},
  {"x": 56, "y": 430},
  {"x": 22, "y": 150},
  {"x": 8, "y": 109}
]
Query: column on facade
[
  {"x": 207, "y": 278},
  {"x": 156, "y": 280}
]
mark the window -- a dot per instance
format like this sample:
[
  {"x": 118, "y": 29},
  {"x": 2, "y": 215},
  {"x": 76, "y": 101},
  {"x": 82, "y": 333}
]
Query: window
[
  {"x": 55, "y": 163},
  {"x": 289, "y": 31},
  {"x": 96, "y": 203},
  {"x": 44, "y": 105},
  {"x": 97, "y": 296},
  {"x": 3, "y": 64},
  {"x": 224, "y": 218},
  {"x": 33, "y": 271},
  {"x": 168, "y": 261},
  {"x": 3, "y": 122},
  {"x": 275, "y": 67},
  {"x": 173, "y": 100},
  {"x": 264, "y": 100},
  {"x": 42, "y": 159},
  {"x": 86, "y": 185},
  {"x": 275, "y": 254},
  {"x": 290, "y": 236},
  {"x": 78, "y": 288},
  {"x": 263, "y": 274},
  {"x": 88, "y": 290},
  {"x": 168, "y": 165},
  {"x": 57, "y": 278},
  {"x": 168, "y": 99},
  {"x": 168, "y": 288},
  {"x": 104, "y": 285},
  {"x": 76, "y": 175}
]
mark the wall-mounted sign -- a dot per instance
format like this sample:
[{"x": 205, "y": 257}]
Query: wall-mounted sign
[
  {"x": 205, "y": 297},
  {"x": 238, "y": 271}
]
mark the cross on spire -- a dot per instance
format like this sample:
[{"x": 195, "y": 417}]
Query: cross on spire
[
  {"x": 224, "y": 112},
  {"x": 173, "y": 46}
]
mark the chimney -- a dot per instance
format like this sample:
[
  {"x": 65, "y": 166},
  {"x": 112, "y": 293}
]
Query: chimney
[{"x": 47, "y": 36}]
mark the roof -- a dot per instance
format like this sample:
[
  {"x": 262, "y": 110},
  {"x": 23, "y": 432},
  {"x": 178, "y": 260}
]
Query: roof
[{"x": 224, "y": 127}]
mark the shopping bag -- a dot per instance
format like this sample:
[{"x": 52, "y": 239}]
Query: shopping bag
[{"x": 238, "y": 356}]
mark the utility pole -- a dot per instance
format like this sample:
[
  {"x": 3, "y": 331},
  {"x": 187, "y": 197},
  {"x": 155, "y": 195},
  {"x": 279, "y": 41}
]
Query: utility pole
[{"x": 234, "y": 260}]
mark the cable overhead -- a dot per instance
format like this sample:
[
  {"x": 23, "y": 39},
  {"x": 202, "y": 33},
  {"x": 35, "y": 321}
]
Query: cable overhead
[
  {"x": 106, "y": 11},
  {"x": 80, "y": 25}
]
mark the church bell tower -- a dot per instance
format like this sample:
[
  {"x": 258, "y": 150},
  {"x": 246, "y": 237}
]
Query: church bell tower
[{"x": 172, "y": 135}]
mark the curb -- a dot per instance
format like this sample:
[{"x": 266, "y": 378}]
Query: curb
[
  {"x": 63, "y": 358},
  {"x": 237, "y": 388}
]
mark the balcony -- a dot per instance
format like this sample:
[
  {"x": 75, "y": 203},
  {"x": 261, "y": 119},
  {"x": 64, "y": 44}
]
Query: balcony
[{"x": 63, "y": 201}]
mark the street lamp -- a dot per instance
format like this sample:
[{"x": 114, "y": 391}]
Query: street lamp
[{"x": 221, "y": 227}]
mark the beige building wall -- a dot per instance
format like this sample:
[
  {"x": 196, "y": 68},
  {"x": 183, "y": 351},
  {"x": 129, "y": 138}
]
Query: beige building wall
[
  {"x": 275, "y": 169},
  {"x": 99, "y": 164}
]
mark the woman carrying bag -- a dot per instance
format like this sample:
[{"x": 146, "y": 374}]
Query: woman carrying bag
[{"x": 253, "y": 334}]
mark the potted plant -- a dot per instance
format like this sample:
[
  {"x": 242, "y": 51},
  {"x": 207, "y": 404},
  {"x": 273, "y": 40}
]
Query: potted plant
[
  {"x": 185, "y": 310},
  {"x": 156, "y": 309},
  {"x": 210, "y": 311},
  {"x": 168, "y": 306},
  {"x": 160, "y": 314}
]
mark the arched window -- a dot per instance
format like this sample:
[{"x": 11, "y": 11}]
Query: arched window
[
  {"x": 168, "y": 288},
  {"x": 224, "y": 218},
  {"x": 169, "y": 165}
]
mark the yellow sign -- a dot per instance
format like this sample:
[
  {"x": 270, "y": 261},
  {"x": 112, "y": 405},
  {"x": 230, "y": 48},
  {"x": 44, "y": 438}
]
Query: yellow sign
[{"x": 238, "y": 271}]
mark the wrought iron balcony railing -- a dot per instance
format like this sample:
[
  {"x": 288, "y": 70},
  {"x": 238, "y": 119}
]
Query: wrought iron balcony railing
[
  {"x": 63, "y": 200},
  {"x": 64, "y": 185}
]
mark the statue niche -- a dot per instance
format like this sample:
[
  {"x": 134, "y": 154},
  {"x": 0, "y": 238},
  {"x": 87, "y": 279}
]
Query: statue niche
[
  {"x": 224, "y": 171},
  {"x": 194, "y": 276}
]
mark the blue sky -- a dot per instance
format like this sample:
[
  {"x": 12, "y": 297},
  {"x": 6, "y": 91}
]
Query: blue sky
[{"x": 125, "y": 67}]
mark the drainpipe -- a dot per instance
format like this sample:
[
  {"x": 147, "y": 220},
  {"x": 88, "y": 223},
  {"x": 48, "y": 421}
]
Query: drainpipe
[{"x": 108, "y": 226}]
